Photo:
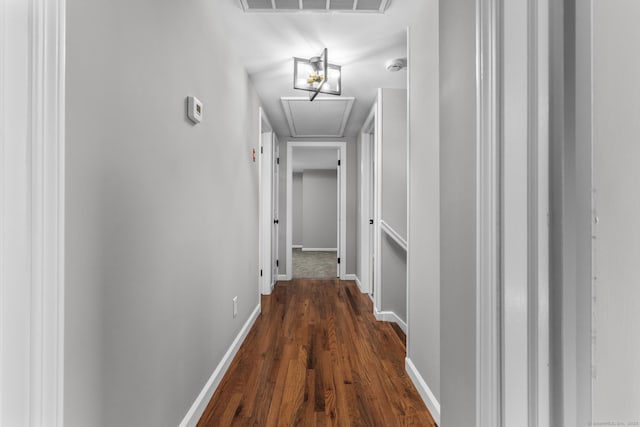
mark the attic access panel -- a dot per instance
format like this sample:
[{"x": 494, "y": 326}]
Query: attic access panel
[
  {"x": 324, "y": 117},
  {"x": 357, "y": 6}
]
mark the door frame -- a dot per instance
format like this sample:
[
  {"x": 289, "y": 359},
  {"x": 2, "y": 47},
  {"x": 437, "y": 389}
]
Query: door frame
[
  {"x": 512, "y": 264},
  {"x": 367, "y": 187},
  {"x": 265, "y": 196},
  {"x": 342, "y": 210},
  {"x": 275, "y": 209},
  {"x": 32, "y": 217}
]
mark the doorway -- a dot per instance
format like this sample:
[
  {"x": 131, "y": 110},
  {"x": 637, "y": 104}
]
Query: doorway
[
  {"x": 324, "y": 238},
  {"x": 315, "y": 213},
  {"x": 269, "y": 221},
  {"x": 368, "y": 214}
]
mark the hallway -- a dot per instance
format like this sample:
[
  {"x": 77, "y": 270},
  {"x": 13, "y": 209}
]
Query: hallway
[
  {"x": 487, "y": 200},
  {"x": 317, "y": 356}
]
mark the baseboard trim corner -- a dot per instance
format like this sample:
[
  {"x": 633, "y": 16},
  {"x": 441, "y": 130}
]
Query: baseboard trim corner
[
  {"x": 351, "y": 277},
  {"x": 201, "y": 402},
  {"x": 390, "y": 316},
  {"x": 283, "y": 277},
  {"x": 359, "y": 284},
  {"x": 423, "y": 389}
]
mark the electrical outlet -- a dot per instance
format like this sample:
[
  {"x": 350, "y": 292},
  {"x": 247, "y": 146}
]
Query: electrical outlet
[{"x": 235, "y": 307}]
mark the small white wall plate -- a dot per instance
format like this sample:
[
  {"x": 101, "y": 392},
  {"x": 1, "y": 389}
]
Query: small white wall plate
[{"x": 194, "y": 109}]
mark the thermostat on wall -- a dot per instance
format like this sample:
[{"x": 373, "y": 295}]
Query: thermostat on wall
[{"x": 195, "y": 109}]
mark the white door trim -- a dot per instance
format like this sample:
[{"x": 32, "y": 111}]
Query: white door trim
[
  {"x": 515, "y": 100},
  {"x": 342, "y": 178},
  {"x": 32, "y": 75},
  {"x": 408, "y": 240},
  {"x": 488, "y": 396},
  {"x": 539, "y": 204},
  {"x": 512, "y": 336},
  {"x": 377, "y": 208},
  {"x": 524, "y": 213},
  {"x": 275, "y": 212}
]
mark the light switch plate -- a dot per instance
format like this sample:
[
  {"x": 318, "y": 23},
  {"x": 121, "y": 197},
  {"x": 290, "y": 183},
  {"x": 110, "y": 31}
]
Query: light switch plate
[{"x": 194, "y": 109}]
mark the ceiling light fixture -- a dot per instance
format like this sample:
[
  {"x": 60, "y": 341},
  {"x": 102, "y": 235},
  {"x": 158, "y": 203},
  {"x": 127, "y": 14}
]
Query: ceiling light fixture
[{"x": 316, "y": 75}]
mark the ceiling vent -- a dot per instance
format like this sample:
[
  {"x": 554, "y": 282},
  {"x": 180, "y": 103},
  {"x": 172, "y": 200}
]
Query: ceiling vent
[{"x": 358, "y": 6}]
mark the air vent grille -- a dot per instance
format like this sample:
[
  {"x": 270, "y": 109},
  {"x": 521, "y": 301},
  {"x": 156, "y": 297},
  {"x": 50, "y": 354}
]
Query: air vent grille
[
  {"x": 358, "y": 6},
  {"x": 258, "y": 4},
  {"x": 286, "y": 4}
]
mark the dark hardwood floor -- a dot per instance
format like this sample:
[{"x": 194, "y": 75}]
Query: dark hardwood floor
[{"x": 316, "y": 356}]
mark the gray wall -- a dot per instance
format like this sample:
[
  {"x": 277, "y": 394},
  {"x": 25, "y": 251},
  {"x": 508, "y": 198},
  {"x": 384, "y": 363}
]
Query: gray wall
[
  {"x": 423, "y": 235},
  {"x": 319, "y": 209},
  {"x": 156, "y": 241},
  {"x": 352, "y": 174},
  {"x": 393, "y": 182},
  {"x": 296, "y": 208},
  {"x": 616, "y": 248},
  {"x": 457, "y": 211},
  {"x": 394, "y": 159},
  {"x": 393, "y": 277}
]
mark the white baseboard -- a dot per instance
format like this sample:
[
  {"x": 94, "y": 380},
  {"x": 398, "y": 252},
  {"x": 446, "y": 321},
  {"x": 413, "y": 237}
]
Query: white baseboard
[
  {"x": 201, "y": 402},
  {"x": 390, "y": 316},
  {"x": 283, "y": 277},
  {"x": 350, "y": 277},
  {"x": 424, "y": 390},
  {"x": 359, "y": 285},
  {"x": 296, "y": 246},
  {"x": 319, "y": 249}
]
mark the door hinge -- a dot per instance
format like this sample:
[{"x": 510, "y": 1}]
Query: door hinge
[
  {"x": 338, "y": 260},
  {"x": 276, "y": 221},
  {"x": 277, "y": 263},
  {"x": 278, "y": 160},
  {"x": 261, "y": 150},
  {"x": 338, "y": 162},
  {"x": 260, "y": 272},
  {"x": 371, "y": 221}
]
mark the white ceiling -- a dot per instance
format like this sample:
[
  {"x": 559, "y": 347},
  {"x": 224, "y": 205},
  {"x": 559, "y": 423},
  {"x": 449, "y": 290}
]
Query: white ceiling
[
  {"x": 360, "y": 42},
  {"x": 314, "y": 158}
]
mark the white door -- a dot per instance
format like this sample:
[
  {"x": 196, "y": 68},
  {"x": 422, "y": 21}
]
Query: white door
[
  {"x": 266, "y": 161},
  {"x": 275, "y": 263},
  {"x": 371, "y": 210},
  {"x": 338, "y": 204}
]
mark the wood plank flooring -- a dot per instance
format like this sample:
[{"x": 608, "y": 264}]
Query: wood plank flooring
[{"x": 316, "y": 356}]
